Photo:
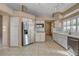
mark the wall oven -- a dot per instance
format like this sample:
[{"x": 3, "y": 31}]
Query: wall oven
[{"x": 73, "y": 46}]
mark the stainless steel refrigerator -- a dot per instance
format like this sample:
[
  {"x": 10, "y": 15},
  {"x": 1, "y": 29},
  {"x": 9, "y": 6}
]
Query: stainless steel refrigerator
[{"x": 27, "y": 33}]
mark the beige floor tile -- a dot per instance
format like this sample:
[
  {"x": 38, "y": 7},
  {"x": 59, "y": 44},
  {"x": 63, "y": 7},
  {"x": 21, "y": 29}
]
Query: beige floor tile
[
  {"x": 36, "y": 49},
  {"x": 48, "y": 48}
]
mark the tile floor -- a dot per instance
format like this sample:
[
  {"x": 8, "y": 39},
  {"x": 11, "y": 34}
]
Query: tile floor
[{"x": 48, "y": 48}]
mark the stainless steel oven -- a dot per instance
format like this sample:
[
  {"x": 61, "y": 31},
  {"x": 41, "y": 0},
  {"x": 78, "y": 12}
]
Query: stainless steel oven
[{"x": 73, "y": 46}]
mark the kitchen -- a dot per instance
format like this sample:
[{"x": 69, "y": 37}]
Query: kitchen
[{"x": 26, "y": 28}]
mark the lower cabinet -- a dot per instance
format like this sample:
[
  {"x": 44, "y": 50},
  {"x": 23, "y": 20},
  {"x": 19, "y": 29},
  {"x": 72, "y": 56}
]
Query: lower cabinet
[
  {"x": 60, "y": 39},
  {"x": 40, "y": 37}
]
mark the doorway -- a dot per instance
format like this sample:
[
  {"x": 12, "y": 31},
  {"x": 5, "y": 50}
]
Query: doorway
[
  {"x": 48, "y": 30},
  {"x": 0, "y": 31}
]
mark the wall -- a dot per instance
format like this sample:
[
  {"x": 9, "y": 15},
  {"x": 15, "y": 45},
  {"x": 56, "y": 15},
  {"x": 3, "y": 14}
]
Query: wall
[{"x": 6, "y": 33}]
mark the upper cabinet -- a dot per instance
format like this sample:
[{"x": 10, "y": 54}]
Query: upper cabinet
[{"x": 40, "y": 26}]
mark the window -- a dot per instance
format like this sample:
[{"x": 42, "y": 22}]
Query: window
[
  {"x": 64, "y": 29},
  {"x": 73, "y": 25},
  {"x": 64, "y": 23},
  {"x": 68, "y": 25},
  {"x": 68, "y": 22},
  {"x": 64, "y": 26}
]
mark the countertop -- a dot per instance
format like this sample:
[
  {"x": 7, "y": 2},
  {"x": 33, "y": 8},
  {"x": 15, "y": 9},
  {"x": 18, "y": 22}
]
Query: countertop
[{"x": 62, "y": 33}]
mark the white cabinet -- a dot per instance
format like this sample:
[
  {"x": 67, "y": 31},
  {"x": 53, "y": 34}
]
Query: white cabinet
[
  {"x": 40, "y": 31},
  {"x": 14, "y": 22},
  {"x": 60, "y": 39},
  {"x": 37, "y": 37},
  {"x": 40, "y": 37},
  {"x": 63, "y": 41}
]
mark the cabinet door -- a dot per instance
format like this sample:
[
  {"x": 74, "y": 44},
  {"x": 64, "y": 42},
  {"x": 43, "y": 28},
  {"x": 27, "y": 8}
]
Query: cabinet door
[
  {"x": 64, "y": 41},
  {"x": 42, "y": 35},
  {"x": 61, "y": 39},
  {"x": 14, "y": 22},
  {"x": 37, "y": 35}
]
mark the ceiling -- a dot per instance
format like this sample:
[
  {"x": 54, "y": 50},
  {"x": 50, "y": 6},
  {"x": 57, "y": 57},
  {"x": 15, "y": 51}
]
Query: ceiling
[{"x": 42, "y": 9}]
